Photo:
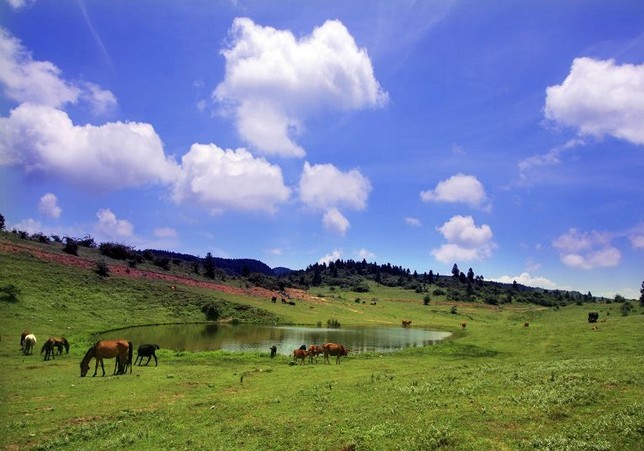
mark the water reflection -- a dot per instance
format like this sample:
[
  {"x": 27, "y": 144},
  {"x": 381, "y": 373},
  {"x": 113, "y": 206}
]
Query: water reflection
[{"x": 250, "y": 337}]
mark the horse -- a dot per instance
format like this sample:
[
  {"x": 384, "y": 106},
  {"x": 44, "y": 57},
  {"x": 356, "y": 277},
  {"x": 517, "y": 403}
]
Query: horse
[
  {"x": 147, "y": 350},
  {"x": 300, "y": 354},
  {"x": 60, "y": 343},
  {"x": 464, "y": 325},
  {"x": 315, "y": 351},
  {"x": 48, "y": 348},
  {"x": 406, "y": 323},
  {"x": 108, "y": 349},
  {"x": 273, "y": 351},
  {"x": 28, "y": 343},
  {"x": 335, "y": 349}
]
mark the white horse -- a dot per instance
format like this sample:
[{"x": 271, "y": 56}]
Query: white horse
[{"x": 28, "y": 344}]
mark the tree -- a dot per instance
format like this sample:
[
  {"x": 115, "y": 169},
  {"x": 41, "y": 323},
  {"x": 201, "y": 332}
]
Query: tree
[
  {"x": 642, "y": 295},
  {"x": 430, "y": 279},
  {"x": 470, "y": 275},
  {"x": 209, "y": 266},
  {"x": 455, "y": 271},
  {"x": 2, "y": 225}
]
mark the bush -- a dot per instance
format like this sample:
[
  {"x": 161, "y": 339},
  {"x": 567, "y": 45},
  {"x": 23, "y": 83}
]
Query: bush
[
  {"x": 9, "y": 293},
  {"x": 211, "y": 310},
  {"x": 116, "y": 251},
  {"x": 438, "y": 292},
  {"x": 426, "y": 299},
  {"x": 333, "y": 324},
  {"x": 626, "y": 308},
  {"x": 102, "y": 269},
  {"x": 70, "y": 246}
]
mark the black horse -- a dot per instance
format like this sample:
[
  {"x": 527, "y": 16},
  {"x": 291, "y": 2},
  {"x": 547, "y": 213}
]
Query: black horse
[{"x": 149, "y": 351}]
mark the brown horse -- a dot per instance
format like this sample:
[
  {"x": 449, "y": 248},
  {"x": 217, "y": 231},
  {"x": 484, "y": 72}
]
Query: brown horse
[
  {"x": 54, "y": 342},
  {"x": 300, "y": 354},
  {"x": 108, "y": 349},
  {"x": 334, "y": 349},
  {"x": 315, "y": 351}
]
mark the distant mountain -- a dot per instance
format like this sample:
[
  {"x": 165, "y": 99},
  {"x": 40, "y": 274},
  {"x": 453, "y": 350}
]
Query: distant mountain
[{"x": 231, "y": 266}]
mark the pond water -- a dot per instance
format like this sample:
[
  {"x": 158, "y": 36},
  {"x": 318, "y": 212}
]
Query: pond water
[{"x": 252, "y": 337}]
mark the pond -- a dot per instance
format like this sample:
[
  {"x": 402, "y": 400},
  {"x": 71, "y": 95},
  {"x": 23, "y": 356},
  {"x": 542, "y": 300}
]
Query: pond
[{"x": 252, "y": 337}]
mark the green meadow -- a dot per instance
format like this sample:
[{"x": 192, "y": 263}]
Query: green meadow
[{"x": 558, "y": 384}]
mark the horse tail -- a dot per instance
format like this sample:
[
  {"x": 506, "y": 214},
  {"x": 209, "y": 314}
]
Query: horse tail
[{"x": 129, "y": 354}]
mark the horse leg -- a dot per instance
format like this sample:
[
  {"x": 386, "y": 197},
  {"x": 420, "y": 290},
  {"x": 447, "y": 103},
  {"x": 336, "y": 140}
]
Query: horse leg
[
  {"x": 156, "y": 362},
  {"x": 149, "y": 357}
]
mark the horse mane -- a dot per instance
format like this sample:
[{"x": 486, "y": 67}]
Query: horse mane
[{"x": 90, "y": 353}]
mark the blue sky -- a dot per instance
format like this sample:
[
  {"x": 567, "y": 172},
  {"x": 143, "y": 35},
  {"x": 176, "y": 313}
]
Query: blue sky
[{"x": 503, "y": 136}]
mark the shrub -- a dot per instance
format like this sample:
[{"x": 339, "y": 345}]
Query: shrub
[
  {"x": 438, "y": 292},
  {"x": 426, "y": 299},
  {"x": 70, "y": 246},
  {"x": 454, "y": 310},
  {"x": 211, "y": 310},
  {"x": 333, "y": 324},
  {"x": 9, "y": 293},
  {"x": 626, "y": 308},
  {"x": 102, "y": 269}
]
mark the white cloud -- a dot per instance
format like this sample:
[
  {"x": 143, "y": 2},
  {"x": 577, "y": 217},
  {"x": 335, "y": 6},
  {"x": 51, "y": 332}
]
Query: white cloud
[
  {"x": 28, "y": 225},
  {"x": 331, "y": 257},
  {"x": 587, "y": 250},
  {"x": 102, "y": 158},
  {"x": 528, "y": 280},
  {"x": 323, "y": 186},
  {"x": 110, "y": 228},
  {"x": 40, "y": 82},
  {"x": 335, "y": 222},
  {"x": 465, "y": 241},
  {"x": 229, "y": 179},
  {"x": 275, "y": 81},
  {"x": 413, "y": 222},
  {"x": 17, "y": 4},
  {"x": 458, "y": 188},
  {"x": 637, "y": 241},
  {"x": 48, "y": 206},
  {"x": 364, "y": 254},
  {"x": 165, "y": 232},
  {"x": 600, "y": 98}
]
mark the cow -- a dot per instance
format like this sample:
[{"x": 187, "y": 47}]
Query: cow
[
  {"x": 315, "y": 351},
  {"x": 300, "y": 354},
  {"x": 335, "y": 349},
  {"x": 592, "y": 317}
]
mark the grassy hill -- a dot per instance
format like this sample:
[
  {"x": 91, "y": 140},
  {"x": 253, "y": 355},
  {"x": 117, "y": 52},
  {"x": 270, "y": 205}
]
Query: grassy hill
[{"x": 560, "y": 383}]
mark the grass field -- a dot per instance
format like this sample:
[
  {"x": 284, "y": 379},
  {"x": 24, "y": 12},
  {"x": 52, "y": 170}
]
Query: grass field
[{"x": 496, "y": 385}]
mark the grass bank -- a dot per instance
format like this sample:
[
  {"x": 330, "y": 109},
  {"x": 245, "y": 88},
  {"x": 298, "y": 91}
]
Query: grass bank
[{"x": 556, "y": 384}]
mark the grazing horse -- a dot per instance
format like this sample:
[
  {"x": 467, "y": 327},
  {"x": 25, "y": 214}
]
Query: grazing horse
[
  {"x": 149, "y": 351},
  {"x": 121, "y": 350},
  {"x": 48, "y": 348},
  {"x": 300, "y": 354},
  {"x": 22, "y": 337},
  {"x": 28, "y": 344},
  {"x": 315, "y": 351},
  {"x": 60, "y": 343},
  {"x": 334, "y": 349}
]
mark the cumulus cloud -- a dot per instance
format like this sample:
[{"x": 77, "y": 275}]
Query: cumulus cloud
[
  {"x": 274, "y": 81},
  {"x": 525, "y": 278},
  {"x": 334, "y": 221},
  {"x": 102, "y": 158},
  {"x": 48, "y": 206},
  {"x": 221, "y": 179},
  {"x": 364, "y": 254},
  {"x": 323, "y": 186},
  {"x": 331, "y": 257},
  {"x": 600, "y": 98},
  {"x": 40, "y": 82},
  {"x": 465, "y": 241},
  {"x": 587, "y": 250},
  {"x": 110, "y": 228},
  {"x": 459, "y": 188}
]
